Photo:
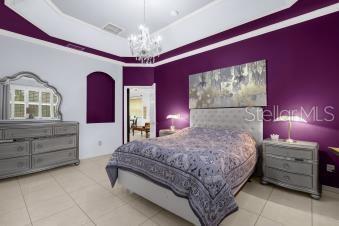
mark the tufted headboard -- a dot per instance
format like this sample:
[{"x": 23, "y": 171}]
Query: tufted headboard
[{"x": 246, "y": 119}]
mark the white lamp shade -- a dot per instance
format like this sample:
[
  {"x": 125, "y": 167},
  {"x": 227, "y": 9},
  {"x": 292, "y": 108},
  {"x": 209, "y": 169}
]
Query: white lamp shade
[
  {"x": 289, "y": 118},
  {"x": 177, "y": 116}
]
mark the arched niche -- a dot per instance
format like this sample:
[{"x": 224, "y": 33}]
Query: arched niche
[{"x": 100, "y": 98}]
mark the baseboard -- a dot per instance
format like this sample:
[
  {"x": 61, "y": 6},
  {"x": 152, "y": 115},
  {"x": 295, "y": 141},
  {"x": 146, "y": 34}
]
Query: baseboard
[{"x": 331, "y": 189}]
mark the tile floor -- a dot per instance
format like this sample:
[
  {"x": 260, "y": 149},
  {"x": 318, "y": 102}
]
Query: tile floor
[{"x": 81, "y": 195}]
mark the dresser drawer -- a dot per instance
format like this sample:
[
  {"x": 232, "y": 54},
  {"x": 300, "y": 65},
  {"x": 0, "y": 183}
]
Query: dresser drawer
[
  {"x": 289, "y": 152},
  {"x": 14, "y": 149},
  {"x": 290, "y": 178},
  {"x": 289, "y": 166},
  {"x": 53, "y": 158},
  {"x": 53, "y": 144},
  {"x": 61, "y": 130},
  {"x": 14, "y": 165},
  {"x": 27, "y": 133}
]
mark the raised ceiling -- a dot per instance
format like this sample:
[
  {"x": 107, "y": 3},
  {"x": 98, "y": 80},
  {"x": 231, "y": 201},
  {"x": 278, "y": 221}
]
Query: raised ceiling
[
  {"x": 103, "y": 12},
  {"x": 81, "y": 21}
]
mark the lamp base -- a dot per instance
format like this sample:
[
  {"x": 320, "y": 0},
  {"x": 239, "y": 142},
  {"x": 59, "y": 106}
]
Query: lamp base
[
  {"x": 290, "y": 140},
  {"x": 172, "y": 128}
]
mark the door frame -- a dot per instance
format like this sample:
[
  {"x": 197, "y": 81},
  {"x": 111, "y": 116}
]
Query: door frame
[{"x": 154, "y": 129}]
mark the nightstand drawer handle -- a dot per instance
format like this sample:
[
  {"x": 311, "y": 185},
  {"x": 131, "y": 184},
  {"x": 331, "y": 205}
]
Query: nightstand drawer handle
[
  {"x": 286, "y": 178},
  {"x": 286, "y": 166}
]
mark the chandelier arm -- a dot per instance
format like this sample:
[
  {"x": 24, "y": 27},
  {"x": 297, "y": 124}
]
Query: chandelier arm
[{"x": 145, "y": 12}]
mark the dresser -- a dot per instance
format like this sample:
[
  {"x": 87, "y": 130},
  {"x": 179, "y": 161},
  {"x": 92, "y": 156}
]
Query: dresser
[
  {"x": 292, "y": 165},
  {"x": 31, "y": 147},
  {"x": 165, "y": 132}
]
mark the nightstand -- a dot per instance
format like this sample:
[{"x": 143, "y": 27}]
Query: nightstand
[
  {"x": 292, "y": 165},
  {"x": 165, "y": 132}
]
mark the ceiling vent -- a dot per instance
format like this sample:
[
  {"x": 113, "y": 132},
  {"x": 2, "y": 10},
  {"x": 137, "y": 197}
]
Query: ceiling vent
[
  {"x": 75, "y": 47},
  {"x": 111, "y": 28}
]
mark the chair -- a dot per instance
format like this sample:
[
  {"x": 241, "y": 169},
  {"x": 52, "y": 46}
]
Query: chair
[{"x": 140, "y": 125}]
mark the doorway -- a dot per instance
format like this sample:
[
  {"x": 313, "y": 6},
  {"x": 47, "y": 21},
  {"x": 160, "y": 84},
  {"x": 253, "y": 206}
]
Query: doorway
[{"x": 139, "y": 113}]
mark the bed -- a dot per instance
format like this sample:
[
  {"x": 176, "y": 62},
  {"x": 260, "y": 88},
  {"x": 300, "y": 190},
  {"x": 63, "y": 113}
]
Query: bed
[{"x": 196, "y": 172}]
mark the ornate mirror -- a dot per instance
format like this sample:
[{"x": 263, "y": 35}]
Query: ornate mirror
[{"x": 25, "y": 96}]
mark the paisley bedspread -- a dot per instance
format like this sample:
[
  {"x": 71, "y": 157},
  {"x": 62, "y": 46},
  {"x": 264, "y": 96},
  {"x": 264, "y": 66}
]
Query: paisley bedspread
[{"x": 200, "y": 164}]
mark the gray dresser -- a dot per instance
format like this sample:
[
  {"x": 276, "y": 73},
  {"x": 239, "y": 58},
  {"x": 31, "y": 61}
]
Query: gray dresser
[
  {"x": 31, "y": 147},
  {"x": 292, "y": 165}
]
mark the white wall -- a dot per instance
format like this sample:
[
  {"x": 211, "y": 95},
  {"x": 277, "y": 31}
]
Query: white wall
[{"x": 67, "y": 72}]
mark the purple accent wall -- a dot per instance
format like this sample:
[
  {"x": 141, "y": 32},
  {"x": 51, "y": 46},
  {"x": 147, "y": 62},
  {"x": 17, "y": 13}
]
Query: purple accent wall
[
  {"x": 100, "y": 98},
  {"x": 302, "y": 71},
  {"x": 138, "y": 76}
]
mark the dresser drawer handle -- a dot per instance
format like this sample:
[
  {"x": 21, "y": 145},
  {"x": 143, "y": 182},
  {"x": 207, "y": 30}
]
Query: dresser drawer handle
[
  {"x": 298, "y": 159},
  {"x": 286, "y": 166},
  {"x": 286, "y": 178},
  {"x": 20, "y": 149},
  {"x": 39, "y": 146}
]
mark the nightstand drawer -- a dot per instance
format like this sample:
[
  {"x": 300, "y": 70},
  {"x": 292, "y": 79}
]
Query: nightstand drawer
[
  {"x": 295, "y": 153},
  {"x": 289, "y": 166},
  {"x": 290, "y": 178}
]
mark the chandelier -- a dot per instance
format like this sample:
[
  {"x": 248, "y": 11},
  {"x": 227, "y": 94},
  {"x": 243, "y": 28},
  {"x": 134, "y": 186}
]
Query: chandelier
[{"x": 144, "y": 46}]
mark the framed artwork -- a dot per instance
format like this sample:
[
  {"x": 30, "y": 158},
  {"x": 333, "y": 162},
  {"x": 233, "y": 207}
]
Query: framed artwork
[{"x": 237, "y": 86}]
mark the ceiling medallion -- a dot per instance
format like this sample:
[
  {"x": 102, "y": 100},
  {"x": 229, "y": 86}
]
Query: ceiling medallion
[{"x": 144, "y": 46}]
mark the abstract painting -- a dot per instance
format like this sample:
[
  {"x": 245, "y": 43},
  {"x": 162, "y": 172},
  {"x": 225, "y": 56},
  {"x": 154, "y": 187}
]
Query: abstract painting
[{"x": 237, "y": 86}]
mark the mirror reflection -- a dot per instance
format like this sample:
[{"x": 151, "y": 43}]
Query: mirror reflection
[{"x": 28, "y": 98}]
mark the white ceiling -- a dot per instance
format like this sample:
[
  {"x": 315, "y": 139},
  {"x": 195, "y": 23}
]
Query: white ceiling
[
  {"x": 100, "y": 13},
  {"x": 81, "y": 21}
]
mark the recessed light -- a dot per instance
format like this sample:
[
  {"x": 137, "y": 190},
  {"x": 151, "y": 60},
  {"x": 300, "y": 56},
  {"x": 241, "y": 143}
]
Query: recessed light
[{"x": 174, "y": 13}]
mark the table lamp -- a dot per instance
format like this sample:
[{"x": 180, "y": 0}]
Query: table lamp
[
  {"x": 173, "y": 117},
  {"x": 289, "y": 119}
]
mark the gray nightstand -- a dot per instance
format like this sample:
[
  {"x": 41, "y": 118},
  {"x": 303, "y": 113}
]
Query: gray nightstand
[
  {"x": 165, "y": 132},
  {"x": 292, "y": 165}
]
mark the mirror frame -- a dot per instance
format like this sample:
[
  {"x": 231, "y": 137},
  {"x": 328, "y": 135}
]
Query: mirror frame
[{"x": 5, "y": 81}]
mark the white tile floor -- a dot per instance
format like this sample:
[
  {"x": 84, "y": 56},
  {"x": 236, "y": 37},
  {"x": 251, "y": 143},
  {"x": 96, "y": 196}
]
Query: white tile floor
[{"x": 81, "y": 195}]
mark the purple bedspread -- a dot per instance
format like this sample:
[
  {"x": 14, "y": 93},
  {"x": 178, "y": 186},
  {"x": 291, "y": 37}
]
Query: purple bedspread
[{"x": 200, "y": 164}]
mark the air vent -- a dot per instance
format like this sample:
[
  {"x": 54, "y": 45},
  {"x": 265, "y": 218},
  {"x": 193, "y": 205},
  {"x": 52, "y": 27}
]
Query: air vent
[
  {"x": 111, "y": 28},
  {"x": 75, "y": 47}
]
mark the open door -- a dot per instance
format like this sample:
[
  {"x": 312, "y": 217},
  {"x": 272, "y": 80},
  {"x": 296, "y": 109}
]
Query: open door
[
  {"x": 128, "y": 116},
  {"x": 139, "y": 112}
]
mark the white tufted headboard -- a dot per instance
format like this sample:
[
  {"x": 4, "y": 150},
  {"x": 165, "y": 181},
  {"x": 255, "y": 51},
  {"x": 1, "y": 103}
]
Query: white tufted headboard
[{"x": 245, "y": 119}]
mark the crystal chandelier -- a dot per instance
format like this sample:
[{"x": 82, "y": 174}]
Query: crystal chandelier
[{"x": 144, "y": 46}]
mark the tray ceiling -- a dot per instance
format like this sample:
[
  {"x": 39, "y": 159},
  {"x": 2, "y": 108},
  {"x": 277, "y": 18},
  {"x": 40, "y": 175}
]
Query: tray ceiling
[
  {"x": 82, "y": 21},
  {"x": 128, "y": 14}
]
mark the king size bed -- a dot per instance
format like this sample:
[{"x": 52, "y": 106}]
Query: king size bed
[{"x": 196, "y": 172}]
